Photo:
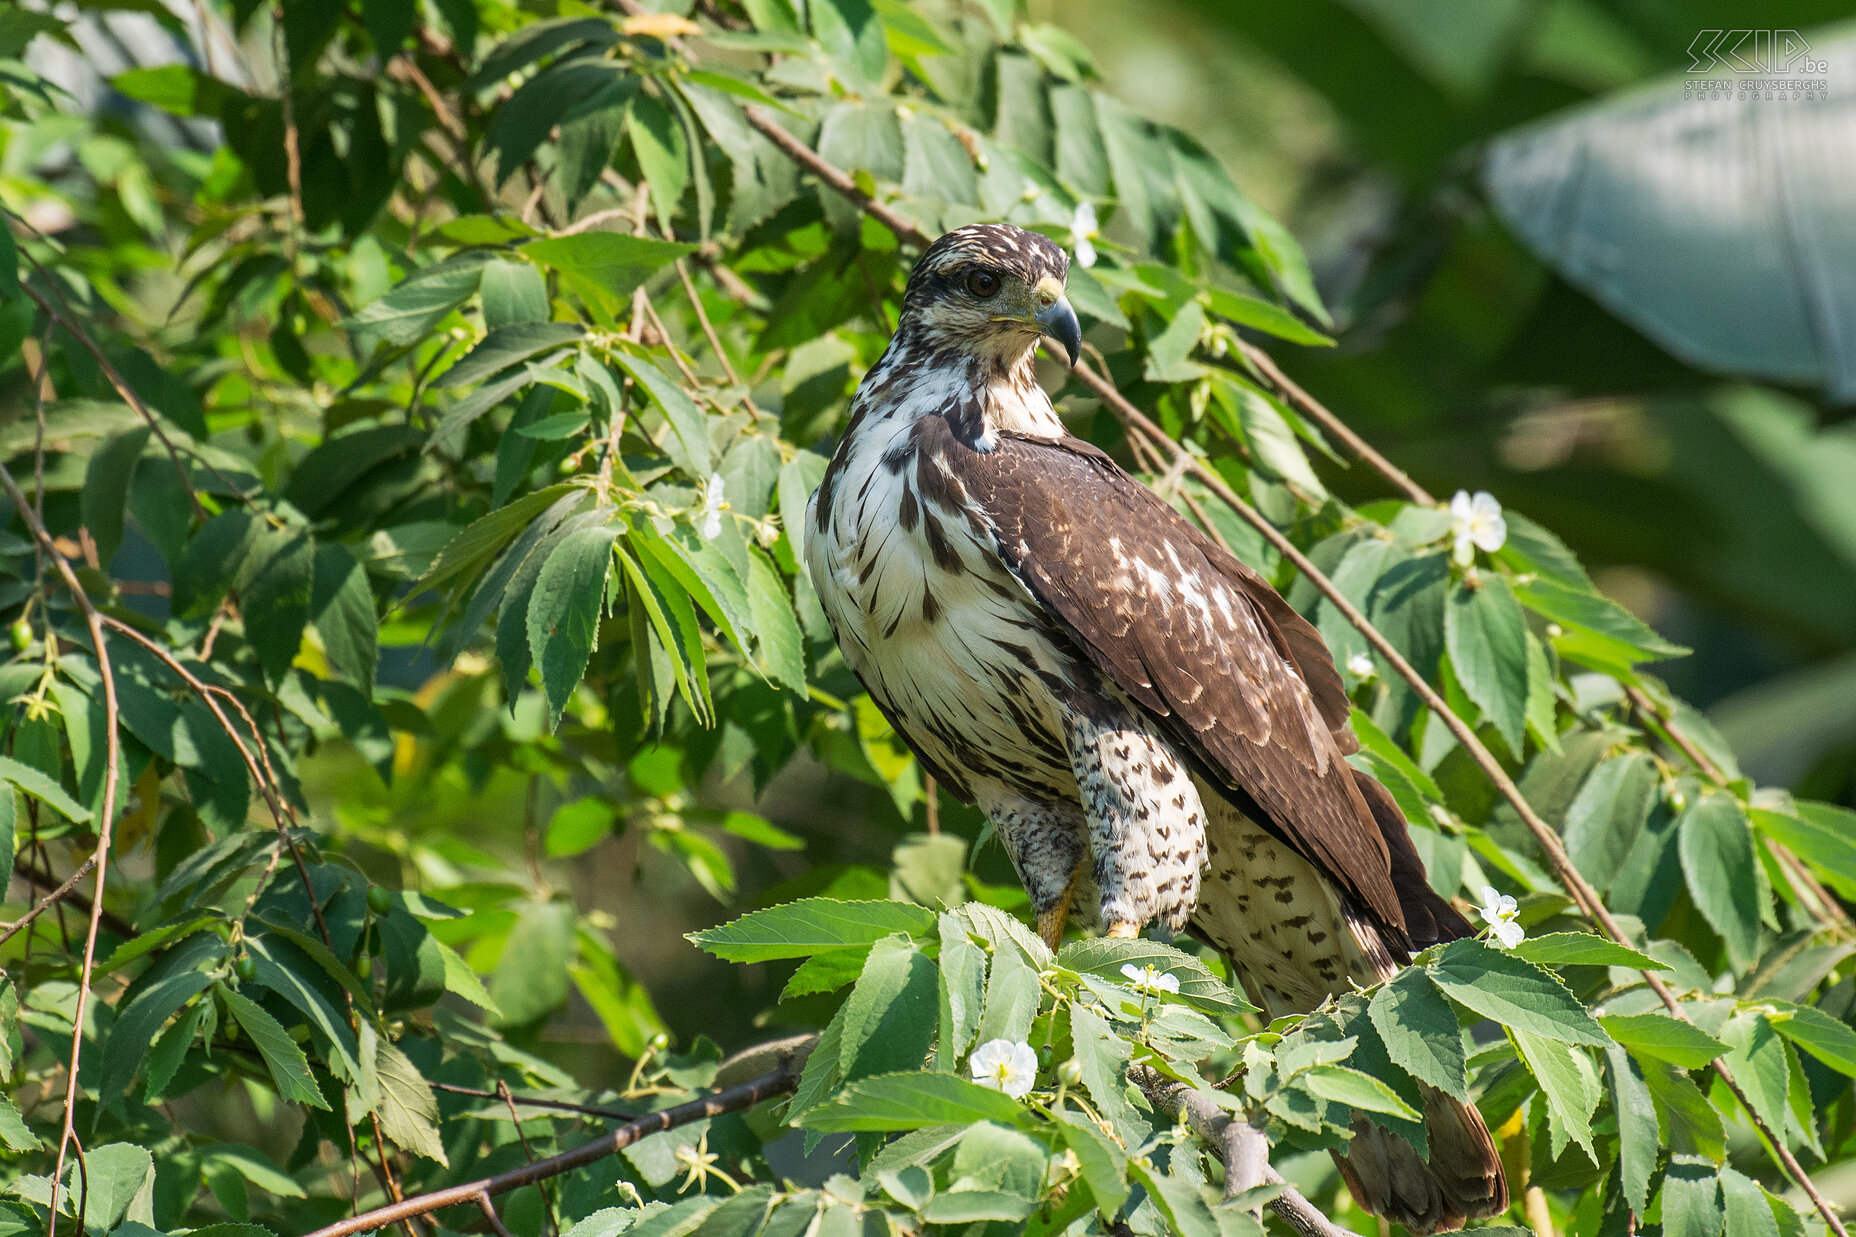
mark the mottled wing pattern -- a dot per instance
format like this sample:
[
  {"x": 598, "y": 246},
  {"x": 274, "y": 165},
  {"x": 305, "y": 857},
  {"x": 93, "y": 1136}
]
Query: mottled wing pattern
[{"x": 1193, "y": 636}]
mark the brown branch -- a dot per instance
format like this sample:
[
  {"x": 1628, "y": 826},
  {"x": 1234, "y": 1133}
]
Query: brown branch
[
  {"x": 61, "y": 891},
  {"x": 1242, "y": 1147},
  {"x": 1319, "y": 412},
  {"x": 777, "y": 1081},
  {"x": 106, "y": 815},
  {"x": 834, "y": 179},
  {"x": 585, "y": 1110}
]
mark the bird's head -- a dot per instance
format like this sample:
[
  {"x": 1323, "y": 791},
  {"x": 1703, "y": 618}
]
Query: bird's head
[{"x": 992, "y": 290}]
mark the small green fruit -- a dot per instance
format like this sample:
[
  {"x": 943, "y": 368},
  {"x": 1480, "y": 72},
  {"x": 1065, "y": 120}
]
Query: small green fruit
[
  {"x": 379, "y": 900},
  {"x": 364, "y": 966},
  {"x": 247, "y": 969},
  {"x": 21, "y": 635}
]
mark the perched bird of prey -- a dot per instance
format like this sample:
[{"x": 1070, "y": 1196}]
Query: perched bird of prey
[{"x": 1154, "y": 733}]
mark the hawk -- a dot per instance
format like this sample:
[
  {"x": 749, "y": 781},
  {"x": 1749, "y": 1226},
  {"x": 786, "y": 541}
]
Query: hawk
[{"x": 1153, "y": 732}]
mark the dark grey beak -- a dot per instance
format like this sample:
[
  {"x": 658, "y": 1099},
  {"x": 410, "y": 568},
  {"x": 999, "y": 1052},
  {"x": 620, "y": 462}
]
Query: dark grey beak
[{"x": 1059, "y": 326}]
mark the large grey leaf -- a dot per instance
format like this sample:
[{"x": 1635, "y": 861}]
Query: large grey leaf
[{"x": 1723, "y": 228}]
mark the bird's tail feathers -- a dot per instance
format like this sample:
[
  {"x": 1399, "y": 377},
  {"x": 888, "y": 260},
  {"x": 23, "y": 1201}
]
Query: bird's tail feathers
[{"x": 1460, "y": 1180}]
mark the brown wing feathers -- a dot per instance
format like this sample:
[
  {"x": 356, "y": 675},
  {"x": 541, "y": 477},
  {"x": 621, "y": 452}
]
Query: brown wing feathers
[{"x": 1200, "y": 641}]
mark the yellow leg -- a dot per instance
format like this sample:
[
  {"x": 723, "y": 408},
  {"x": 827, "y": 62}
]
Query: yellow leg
[
  {"x": 1050, "y": 922},
  {"x": 1126, "y": 931}
]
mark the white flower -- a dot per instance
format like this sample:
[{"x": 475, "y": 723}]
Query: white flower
[
  {"x": 1479, "y": 524},
  {"x": 1005, "y": 1065},
  {"x": 1082, "y": 230},
  {"x": 1150, "y": 979},
  {"x": 1360, "y": 665},
  {"x": 708, "y": 515},
  {"x": 1499, "y": 911}
]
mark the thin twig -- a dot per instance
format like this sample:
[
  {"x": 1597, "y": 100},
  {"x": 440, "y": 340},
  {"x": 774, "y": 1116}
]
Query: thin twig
[
  {"x": 585, "y": 1110},
  {"x": 105, "y": 822},
  {"x": 778, "y": 1081},
  {"x": 833, "y": 178},
  {"x": 64, "y": 891},
  {"x": 1242, "y": 1147},
  {"x": 547, "y": 1197}
]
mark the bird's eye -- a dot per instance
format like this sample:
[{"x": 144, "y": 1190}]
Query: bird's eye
[{"x": 983, "y": 284}]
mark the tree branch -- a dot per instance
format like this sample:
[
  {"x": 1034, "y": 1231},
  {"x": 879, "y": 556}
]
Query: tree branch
[
  {"x": 1242, "y": 1147},
  {"x": 779, "y": 1080},
  {"x": 64, "y": 890},
  {"x": 106, "y": 815}
]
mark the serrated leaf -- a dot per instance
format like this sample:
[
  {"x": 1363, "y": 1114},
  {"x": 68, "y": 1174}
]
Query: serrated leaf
[
  {"x": 1343, "y": 1085},
  {"x": 1420, "y": 1032},
  {"x": 1486, "y": 638},
  {"x": 800, "y": 929},
  {"x": 779, "y": 645},
  {"x": 910, "y": 1102},
  {"x": 1745, "y": 1207},
  {"x": 512, "y": 292},
  {"x": 1828, "y": 1039},
  {"x": 1570, "y": 1083},
  {"x": 506, "y": 345},
  {"x": 1102, "y": 1162},
  {"x": 606, "y": 266},
  {"x": 688, "y": 446},
  {"x": 1514, "y": 992},
  {"x": 1608, "y": 814},
  {"x": 565, "y": 609},
  {"x": 1102, "y": 1059},
  {"x": 1638, "y": 1139},
  {"x": 275, "y": 584},
  {"x": 408, "y": 1110},
  {"x": 890, "y": 1018},
  {"x": 1718, "y": 863},
  {"x": 106, "y": 489},
  {"x": 341, "y": 607},
  {"x": 1664, "y": 1038},
  {"x": 134, "y": 1030},
  {"x": 289, "y": 1068},
  {"x": 409, "y": 312},
  {"x": 44, "y": 789},
  {"x": 170, "y": 1050},
  {"x": 1583, "y": 949},
  {"x": 1691, "y": 1199}
]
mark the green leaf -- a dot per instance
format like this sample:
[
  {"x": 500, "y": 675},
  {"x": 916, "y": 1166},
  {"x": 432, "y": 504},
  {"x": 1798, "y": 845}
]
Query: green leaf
[
  {"x": 1691, "y": 1198},
  {"x": 1487, "y": 642},
  {"x": 1570, "y": 1083},
  {"x": 341, "y": 606},
  {"x": 891, "y": 1016},
  {"x": 14, "y": 1131},
  {"x": 1718, "y": 863},
  {"x": 289, "y": 1069},
  {"x": 564, "y": 612},
  {"x": 1420, "y": 1032},
  {"x": 44, "y": 789},
  {"x": 800, "y": 929},
  {"x": 462, "y": 981},
  {"x": 408, "y": 1110},
  {"x": 106, "y": 489},
  {"x": 136, "y": 1024},
  {"x": 1756, "y": 1055},
  {"x": 606, "y": 267},
  {"x": 1638, "y": 1140},
  {"x": 1102, "y": 1060},
  {"x": 275, "y": 583},
  {"x": 409, "y": 312},
  {"x": 1664, "y": 1038},
  {"x": 1179, "y": 1201},
  {"x": 1264, "y": 316},
  {"x": 963, "y": 990},
  {"x": 689, "y": 446},
  {"x": 1608, "y": 814},
  {"x": 1103, "y": 1164},
  {"x": 530, "y": 979},
  {"x": 1828, "y": 1039},
  {"x": 1343, "y": 1085},
  {"x": 910, "y": 1102},
  {"x": 171, "y": 1049},
  {"x": 507, "y": 345},
  {"x": 1747, "y": 1211},
  {"x": 578, "y": 827},
  {"x": 513, "y": 292},
  {"x": 1595, "y": 631},
  {"x": 1198, "y": 987},
  {"x": 1690, "y": 1125},
  {"x": 483, "y": 537},
  {"x": 780, "y": 646},
  {"x": 663, "y": 154},
  {"x": 1514, "y": 992},
  {"x": 254, "y": 1166},
  {"x": 1821, "y": 834},
  {"x": 115, "y": 1174},
  {"x": 1013, "y": 995},
  {"x": 1583, "y": 949}
]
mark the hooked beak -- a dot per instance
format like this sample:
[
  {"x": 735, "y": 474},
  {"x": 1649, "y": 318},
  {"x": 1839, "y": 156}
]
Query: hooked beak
[{"x": 1058, "y": 325}]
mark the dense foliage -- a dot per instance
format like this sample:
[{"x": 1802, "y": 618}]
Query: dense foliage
[{"x": 419, "y": 403}]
